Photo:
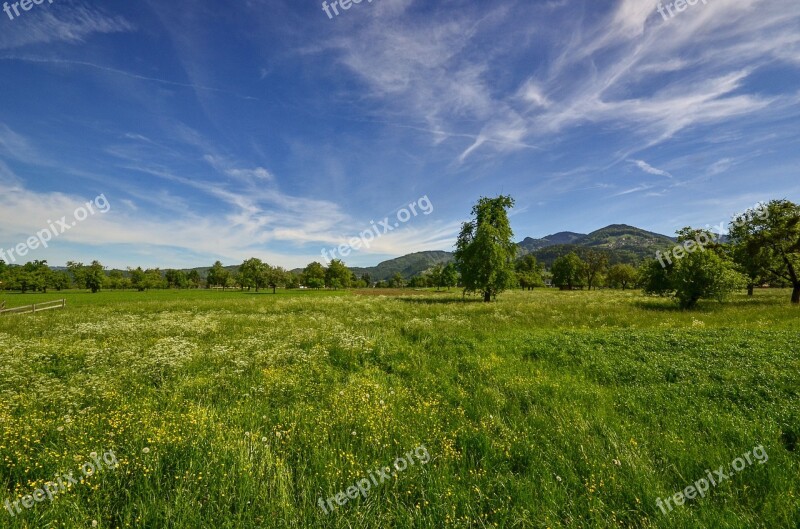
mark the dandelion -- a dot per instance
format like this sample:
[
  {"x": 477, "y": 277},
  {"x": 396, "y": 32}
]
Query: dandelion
[
  {"x": 558, "y": 478},
  {"x": 263, "y": 439},
  {"x": 93, "y": 455},
  {"x": 353, "y": 433},
  {"x": 94, "y": 523},
  {"x": 145, "y": 450},
  {"x": 617, "y": 462}
]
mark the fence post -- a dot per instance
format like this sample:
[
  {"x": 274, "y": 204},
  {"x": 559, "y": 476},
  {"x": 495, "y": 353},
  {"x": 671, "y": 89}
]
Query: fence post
[{"x": 34, "y": 307}]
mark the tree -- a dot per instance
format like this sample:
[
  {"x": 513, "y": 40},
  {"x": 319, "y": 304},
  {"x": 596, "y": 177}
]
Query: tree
[
  {"x": 276, "y": 276},
  {"x": 485, "y": 250},
  {"x": 366, "y": 279},
  {"x": 450, "y": 276},
  {"x": 569, "y": 271},
  {"x": 138, "y": 279},
  {"x": 314, "y": 275},
  {"x": 397, "y": 281},
  {"x": 596, "y": 264},
  {"x": 92, "y": 277},
  {"x": 437, "y": 276},
  {"x": 154, "y": 279},
  {"x": 622, "y": 275},
  {"x": 293, "y": 280},
  {"x": 700, "y": 274},
  {"x": 78, "y": 273},
  {"x": 529, "y": 272},
  {"x": 253, "y": 273},
  {"x": 115, "y": 279},
  {"x": 768, "y": 240},
  {"x": 193, "y": 277},
  {"x": 217, "y": 276},
  {"x": 176, "y": 279},
  {"x": 95, "y": 276},
  {"x": 337, "y": 275},
  {"x": 60, "y": 280}
]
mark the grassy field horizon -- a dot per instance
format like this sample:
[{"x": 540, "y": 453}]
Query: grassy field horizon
[{"x": 544, "y": 409}]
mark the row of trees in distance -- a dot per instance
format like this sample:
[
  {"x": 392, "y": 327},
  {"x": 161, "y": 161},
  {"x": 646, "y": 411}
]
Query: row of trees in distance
[{"x": 764, "y": 247}]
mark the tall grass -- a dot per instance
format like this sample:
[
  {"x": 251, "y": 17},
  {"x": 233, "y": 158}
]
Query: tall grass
[{"x": 545, "y": 409}]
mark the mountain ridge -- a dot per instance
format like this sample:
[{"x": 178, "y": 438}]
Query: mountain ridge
[{"x": 624, "y": 243}]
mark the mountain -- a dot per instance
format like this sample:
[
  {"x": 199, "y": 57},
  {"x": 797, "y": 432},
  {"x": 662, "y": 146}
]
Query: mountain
[
  {"x": 563, "y": 237},
  {"x": 408, "y": 265},
  {"x": 624, "y": 244}
]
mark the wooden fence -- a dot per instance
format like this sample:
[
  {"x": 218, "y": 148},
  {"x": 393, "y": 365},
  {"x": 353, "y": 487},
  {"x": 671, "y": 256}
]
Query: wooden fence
[{"x": 36, "y": 307}]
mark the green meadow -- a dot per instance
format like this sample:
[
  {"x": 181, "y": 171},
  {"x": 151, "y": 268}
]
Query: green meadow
[{"x": 546, "y": 409}]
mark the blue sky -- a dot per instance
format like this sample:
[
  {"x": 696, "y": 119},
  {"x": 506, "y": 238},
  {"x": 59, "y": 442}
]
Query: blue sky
[{"x": 265, "y": 128}]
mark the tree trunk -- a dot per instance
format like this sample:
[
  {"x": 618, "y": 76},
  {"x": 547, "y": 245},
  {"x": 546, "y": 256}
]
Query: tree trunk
[
  {"x": 796, "y": 294},
  {"x": 750, "y": 288},
  {"x": 487, "y": 297}
]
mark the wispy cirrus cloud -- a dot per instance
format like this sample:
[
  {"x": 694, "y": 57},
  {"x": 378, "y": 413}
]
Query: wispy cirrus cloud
[
  {"x": 70, "y": 23},
  {"x": 706, "y": 59},
  {"x": 649, "y": 169}
]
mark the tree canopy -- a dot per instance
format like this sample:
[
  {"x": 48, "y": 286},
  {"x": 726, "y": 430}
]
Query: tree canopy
[{"x": 485, "y": 250}]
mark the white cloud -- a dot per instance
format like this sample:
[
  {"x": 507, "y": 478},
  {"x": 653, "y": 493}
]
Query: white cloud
[
  {"x": 720, "y": 166},
  {"x": 647, "y": 168},
  {"x": 62, "y": 23}
]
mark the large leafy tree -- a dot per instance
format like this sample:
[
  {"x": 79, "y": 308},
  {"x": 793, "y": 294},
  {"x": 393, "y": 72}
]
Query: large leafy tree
[
  {"x": 621, "y": 276},
  {"x": 529, "y": 272},
  {"x": 450, "y": 275},
  {"x": 569, "y": 272},
  {"x": 92, "y": 276},
  {"x": 596, "y": 265},
  {"x": 276, "y": 276},
  {"x": 397, "y": 281},
  {"x": 436, "y": 275},
  {"x": 314, "y": 275},
  {"x": 60, "y": 280},
  {"x": 337, "y": 275},
  {"x": 699, "y": 274},
  {"x": 137, "y": 278},
  {"x": 767, "y": 240},
  {"x": 217, "y": 276},
  {"x": 95, "y": 276},
  {"x": 176, "y": 279},
  {"x": 254, "y": 273},
  {"x": 193, "y": 277},
  {"x": 485, "y": 250},
  {"x": 154, "y": 279}
]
